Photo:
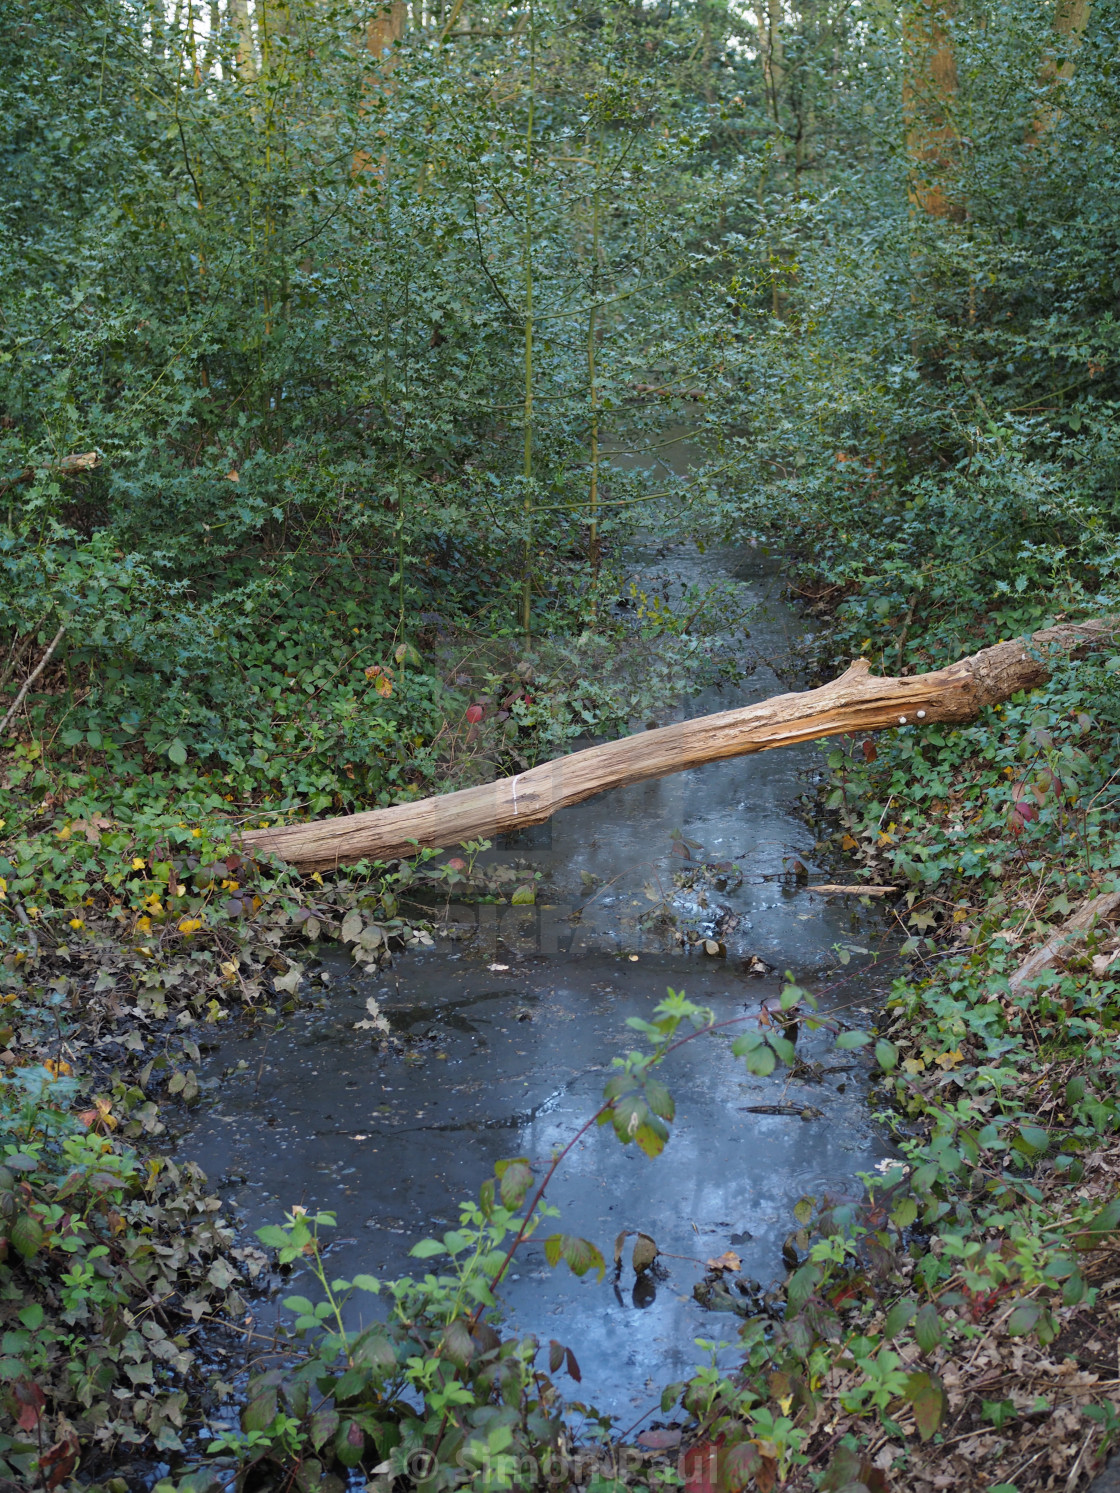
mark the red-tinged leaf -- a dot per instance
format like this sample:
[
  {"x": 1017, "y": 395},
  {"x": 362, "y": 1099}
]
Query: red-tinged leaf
[
  {"x": 59, "y": 1462},
  {"x": 1022, "y": 810},
  {"x": 29, "y": 1402},
  {"x": 486, "y": 1340},
  {"x": 738, "y": 1466},
  {"x": 662, "y": 1440},
  {"x": 263, "y": 1403},
  {"x": 556, "y": 1353},
  {"x": 1023, "y": 1318},
  {"x": 324, "y": 1425},
  {"x": 516, "y": 1179},
  {"x": 26, "y": 1235},
  {"x": 474, "y": 714},
  {"x": 573, "y": 1365},
  {"x": 581, "y": 1256},
  {"x": 350, "y": 1443},
  {"x": 458, "y": 1345},
  {"x": 456, "y": 863},
  {"x": 848, "y": 1470},
  {"x": 927, "y": 1398},
  {"x": 659, "y": 1099},
  {"x": 870, "y": 751},
  {"x": 699, "y": 1467},
  {"x": 766, "y": 1478}
]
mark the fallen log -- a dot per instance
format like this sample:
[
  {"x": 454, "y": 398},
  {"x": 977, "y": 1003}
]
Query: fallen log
[{"x": 856, "y": 702}]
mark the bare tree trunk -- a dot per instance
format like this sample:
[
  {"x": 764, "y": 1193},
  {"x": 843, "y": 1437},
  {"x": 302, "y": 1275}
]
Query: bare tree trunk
[
  {"x": 386, "y": 27},
  {"x": 928, "y": 92},
  {"x": 239, "y": 21},
  {"x": 856, "y": 702},
  {"x": 1070, "y": 21}
]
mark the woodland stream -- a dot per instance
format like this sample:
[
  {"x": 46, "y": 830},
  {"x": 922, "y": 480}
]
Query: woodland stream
[{"x": 504, "y": 1031}]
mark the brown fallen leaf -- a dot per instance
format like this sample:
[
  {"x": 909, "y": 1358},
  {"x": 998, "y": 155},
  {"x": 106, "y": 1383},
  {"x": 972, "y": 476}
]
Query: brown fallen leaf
[
  {"x": 729, "y": 1260},
  {"x": 659, "y": 1440}
]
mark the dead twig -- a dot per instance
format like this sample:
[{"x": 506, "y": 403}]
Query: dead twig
[{"x": 31, "y": 678}]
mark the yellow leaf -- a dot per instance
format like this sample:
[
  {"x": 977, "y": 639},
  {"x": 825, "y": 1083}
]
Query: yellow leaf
[
  {"x": 137, "y": 863},
  {"x": 849, "y": 843},
  {"x": 914, "y": 1065},
  {"x": 949, "y": 1060},
  {"x": 729, "y": 1260}
]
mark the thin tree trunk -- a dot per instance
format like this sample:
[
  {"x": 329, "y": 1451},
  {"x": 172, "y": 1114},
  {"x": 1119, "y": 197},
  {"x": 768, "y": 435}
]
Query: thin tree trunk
[
  {"x": 856, "y": 702},
  {"x": 386, "y": 27},
  {"x": 928, "y": 91},
  {"x": 1070, "y": 21},
  {"x": 239, "y": 23}
]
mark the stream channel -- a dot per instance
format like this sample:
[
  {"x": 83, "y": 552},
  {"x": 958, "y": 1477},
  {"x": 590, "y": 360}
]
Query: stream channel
[{"x": 505, "y": 1029}]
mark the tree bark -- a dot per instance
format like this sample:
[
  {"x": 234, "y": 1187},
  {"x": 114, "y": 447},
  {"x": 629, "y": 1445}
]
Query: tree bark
[
  {"x": 856, "y": 702},
  {"x": 1070, "y": 22},
  {"x": 928, "y": 94}
]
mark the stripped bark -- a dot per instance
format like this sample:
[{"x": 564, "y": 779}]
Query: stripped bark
[{"x": 856, "y": 702}]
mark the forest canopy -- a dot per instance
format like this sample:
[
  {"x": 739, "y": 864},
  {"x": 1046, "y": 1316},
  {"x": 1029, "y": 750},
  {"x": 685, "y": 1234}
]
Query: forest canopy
[{"x": 350, "y": 295}]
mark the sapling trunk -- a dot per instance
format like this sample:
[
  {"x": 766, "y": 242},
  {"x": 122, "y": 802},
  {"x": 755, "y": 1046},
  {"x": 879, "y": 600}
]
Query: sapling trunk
[
  {"x": 527, "y": 250},
  {"x": 592, "y": 332}
]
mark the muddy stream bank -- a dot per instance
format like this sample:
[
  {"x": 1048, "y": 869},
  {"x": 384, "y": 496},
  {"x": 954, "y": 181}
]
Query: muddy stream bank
[{"x": 504, "y": 1030}]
